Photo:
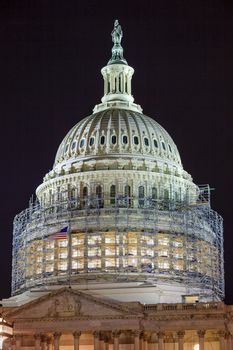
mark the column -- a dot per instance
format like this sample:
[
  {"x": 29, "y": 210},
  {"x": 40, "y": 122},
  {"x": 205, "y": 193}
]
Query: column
[
  {"x": 229, "y": 341},
  {"x": 106, "y": 342},
  {"x": 96, "y": 340},
  {"x": 136, "y": 335},
  {"x": 221, "y": 335},
  {"x": 13, "y": 346},
  {"x": 141, "y": 345},
  {"x": 56, "y": 340},
  {"x": 180, "y": 335},
  {"x": 49, "y": 343},
  {"x": 37, "y": 341},
  {"x": 18, "y": 341},
  {"x": 145, "y": 342},
  {"x": 160, "y": 340},
  {"x": 201, "y": 335},
  {"x": 76, "y": 336},
  {"x": 43, "y": 342},
  {"x": 116, "y": 335}
]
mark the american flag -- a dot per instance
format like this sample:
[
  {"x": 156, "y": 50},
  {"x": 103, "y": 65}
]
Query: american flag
[{"x": 62, "y": 234}]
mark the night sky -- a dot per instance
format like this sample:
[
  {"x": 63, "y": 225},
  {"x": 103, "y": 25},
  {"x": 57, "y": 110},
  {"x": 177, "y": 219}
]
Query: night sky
[{"x": 51, "y": 53}]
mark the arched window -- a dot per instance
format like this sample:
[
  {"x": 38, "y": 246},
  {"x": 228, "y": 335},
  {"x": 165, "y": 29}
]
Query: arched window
[
  {"x": 164, "y": 147},
  {"x": 141, "y": 196},
  {"x": 155, "y": 143},
  {"x": 154, "y": 193},
  {"x": 125, "y": 139},
  {"x": 146, "y": 141},
  {"x": 166, "y": 199},
  {"x": 99, "y": 196},
  {"x": 136, "y": 140},
  {"x": 92, "y": 141},
  {"x": 127, "y": 195},
  {"x": 102, "y": 140},
  {"x": 114, "y": 139},
  {"x": 112, "y": 194},
  {"x": 82, "y": 143},
  {"x": 85, "y": 194}
]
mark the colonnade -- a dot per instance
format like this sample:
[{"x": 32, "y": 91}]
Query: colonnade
[{"x": 141, "y": 340}]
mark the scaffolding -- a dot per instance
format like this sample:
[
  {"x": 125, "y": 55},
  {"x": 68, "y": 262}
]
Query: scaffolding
[{"x": 120, "y": 238}]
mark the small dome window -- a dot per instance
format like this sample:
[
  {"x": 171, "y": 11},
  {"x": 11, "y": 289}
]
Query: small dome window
[
  {"x": 82, "y": 143},
  {"x": 170, "y": 148},
  {"x": 146, "y": 141},
  {"x": 73, "y": 145},
  {"x": 135, "y": 140},
  {"x": 102, "y": 140},
  {"x": 155, "y": 143},
  {"x": 125, "y": 139},
  {"x": 92, "y": 141},
  {"x": 114, "y": 139},
  {"x": 67, "y": 147},
  {"x": 163, "y": 145}
]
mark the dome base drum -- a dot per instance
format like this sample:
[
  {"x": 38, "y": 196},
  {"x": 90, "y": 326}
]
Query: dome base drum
[{"x": 114, "y": 242}]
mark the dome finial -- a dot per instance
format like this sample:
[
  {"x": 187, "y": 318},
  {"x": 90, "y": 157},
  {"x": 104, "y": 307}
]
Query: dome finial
[{"x": 117, "y": 50}]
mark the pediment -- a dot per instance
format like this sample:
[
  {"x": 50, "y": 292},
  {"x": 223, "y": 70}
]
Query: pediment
[{"x": 69, "y": 303}]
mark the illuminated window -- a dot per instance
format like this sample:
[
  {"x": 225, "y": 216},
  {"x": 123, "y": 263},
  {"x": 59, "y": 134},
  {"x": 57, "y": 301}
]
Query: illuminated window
[
  {"x": 62, "y": 243},
  {"x": 49, "y": 268},
  {"x": 163, "y": 265},
  {"x": 163, "y": 253},
  {"x": 62, "y": 266},
  {"x": 163, "y": 241},
  {"x": 177, "y": 244},
  {"x": 62, "y": 255}
]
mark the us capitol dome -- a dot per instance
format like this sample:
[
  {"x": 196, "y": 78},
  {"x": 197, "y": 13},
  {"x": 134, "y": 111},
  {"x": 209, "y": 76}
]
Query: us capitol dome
[{"x": 118, "y": 215}]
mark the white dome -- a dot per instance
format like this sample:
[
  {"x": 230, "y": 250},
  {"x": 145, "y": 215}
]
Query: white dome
[{"x": 117, "y": 133}]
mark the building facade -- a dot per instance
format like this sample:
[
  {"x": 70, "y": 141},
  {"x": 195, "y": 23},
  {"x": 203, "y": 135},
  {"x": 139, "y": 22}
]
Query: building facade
[{"x": 120, "y": 249}]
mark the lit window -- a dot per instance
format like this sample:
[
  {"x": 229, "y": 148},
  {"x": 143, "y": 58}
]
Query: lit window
[
  {"x": 92, "y": 141},
  {"x": 114, "y": 139},
  {"x": 177, "y": 244},
  {"x": 146, "y": 141},
  {"x": 155, "y": 143},
  {"x": 136, "y": 140},
  {"x": 63, "y": 255},
  {"x": 125, "y": 139},
  {"x": 62, "y": 266},
  {"x": 163, "y": 241},
  {"x": 163, "y": 253},
  {"x": 63, "y": 243},
  {"x": 163, "y": 265},
  {"x": 82, "y": 143},
  {"x": 102, "y": 140}
]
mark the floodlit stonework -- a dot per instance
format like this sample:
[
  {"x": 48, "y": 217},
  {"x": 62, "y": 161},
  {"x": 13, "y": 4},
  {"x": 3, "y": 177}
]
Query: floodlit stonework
[{"x": 120, "y": 250}]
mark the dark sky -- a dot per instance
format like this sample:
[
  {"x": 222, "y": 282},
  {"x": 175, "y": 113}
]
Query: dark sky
[{"x": 51, "y": 53}]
